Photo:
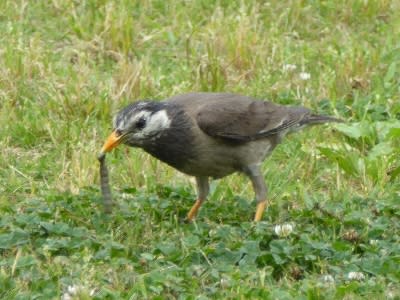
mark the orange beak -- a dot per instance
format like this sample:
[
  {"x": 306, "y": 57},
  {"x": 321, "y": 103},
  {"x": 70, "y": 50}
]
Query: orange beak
[{"x": 112, "y": 141}]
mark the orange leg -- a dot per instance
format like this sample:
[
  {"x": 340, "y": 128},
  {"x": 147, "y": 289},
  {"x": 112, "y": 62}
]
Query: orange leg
[
  {"x": 202, "y": 192},
  {"x": 260, "y": 210},
  {"x": 193, "y": 211},
  {"x": 260, "y": 189}
]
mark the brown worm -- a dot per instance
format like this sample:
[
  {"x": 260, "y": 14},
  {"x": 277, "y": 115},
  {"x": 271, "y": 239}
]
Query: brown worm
[{"x": 105, "y": 185}]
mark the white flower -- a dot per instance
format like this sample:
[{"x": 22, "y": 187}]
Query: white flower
[
  {"x": 225, "y": 282},
  {"x": 72, "y": 291},
  {"x": 356, "y": 276},
  {"x": 328, "y": 278},
  {"x": 373, "y": 242},
  {"x": 305, "y": 76},
  {"x": 288, "y": 67},
  {"x": 283, "y": 230}
]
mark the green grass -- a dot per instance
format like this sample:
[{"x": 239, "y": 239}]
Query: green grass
[{"x": 67, "y": 66}]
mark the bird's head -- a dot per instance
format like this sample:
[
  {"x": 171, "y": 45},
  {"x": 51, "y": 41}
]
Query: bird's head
[{"x": 137, "y": 124}]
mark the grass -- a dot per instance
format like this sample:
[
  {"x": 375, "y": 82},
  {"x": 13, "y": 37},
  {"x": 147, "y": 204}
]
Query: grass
[{"x": 67, "y": 66}]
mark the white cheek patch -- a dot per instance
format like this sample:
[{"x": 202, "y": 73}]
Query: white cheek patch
[{"x": 156, "y": 123}]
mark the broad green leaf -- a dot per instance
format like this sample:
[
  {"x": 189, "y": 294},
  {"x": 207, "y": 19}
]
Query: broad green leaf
[
  {"x": 191, "y": 241},
  {"x": 54, "y": 244},
  {"x": 357, "y": 130},
  {"x": 12, "y": 239},
  {"x": 392, "y": 70},
  {"x": 394, "y": 133},
  {"x": 380, "y": 150},
  {"x": 394, "y": 172},
  {"x": 147, "y": 256},
  {"x": 347, "y": 161},
  {"x": 352, "y": 131},
  {"x": 56, "y": 228},
  {"x": 168, "y": 248},
  {"x": 388, "y": 130},
  {"x": 26, "y": 261}
]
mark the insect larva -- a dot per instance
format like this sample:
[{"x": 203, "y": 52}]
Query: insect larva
[{"x": 105, "y": 185}]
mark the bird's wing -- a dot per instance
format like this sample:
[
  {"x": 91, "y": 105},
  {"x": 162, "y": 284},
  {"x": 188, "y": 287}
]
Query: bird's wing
[{"x": 243, "y": 121}]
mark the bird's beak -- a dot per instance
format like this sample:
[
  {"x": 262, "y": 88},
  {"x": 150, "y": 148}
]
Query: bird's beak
[{"x": 112, "y": 141}]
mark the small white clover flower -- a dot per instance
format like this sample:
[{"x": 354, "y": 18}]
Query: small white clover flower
[
  {"x": 283, "y": 230},
  {"x": 225, "y": 282},
  {"x": 373, "y": 242},
  {"x": 356, "y": 276},
  {"x": 71, "y": 292},
  {"x": 74, "y": 289},
  {"x": 305, "y": 76},
  {"x": 328, "y": 278},
  {"x": 288, "y": 67}
]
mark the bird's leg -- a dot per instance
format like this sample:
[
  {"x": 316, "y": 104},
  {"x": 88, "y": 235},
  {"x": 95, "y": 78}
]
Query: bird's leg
[
  {"x": 260, "y": 189},
  {"x": 202, "y": 192}
]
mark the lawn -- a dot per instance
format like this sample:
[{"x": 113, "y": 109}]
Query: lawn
[{"x": 333, "y": 228}]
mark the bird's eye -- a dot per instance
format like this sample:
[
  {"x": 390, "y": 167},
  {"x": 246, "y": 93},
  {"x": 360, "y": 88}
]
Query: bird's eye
[
  {"x": 118, "y": 132},
  {"x": 141, "y": 123}
]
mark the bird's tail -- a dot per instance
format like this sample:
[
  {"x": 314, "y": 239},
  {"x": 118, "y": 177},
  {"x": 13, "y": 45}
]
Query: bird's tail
[{"x": 313, "y": 119}]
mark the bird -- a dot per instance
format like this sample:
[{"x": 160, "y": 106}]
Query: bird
[{"x": 211, "y": 135}]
